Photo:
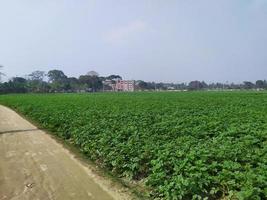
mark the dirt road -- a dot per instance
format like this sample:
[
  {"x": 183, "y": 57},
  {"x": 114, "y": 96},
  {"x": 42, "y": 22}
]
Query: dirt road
[{"x": 35, "y": 166}]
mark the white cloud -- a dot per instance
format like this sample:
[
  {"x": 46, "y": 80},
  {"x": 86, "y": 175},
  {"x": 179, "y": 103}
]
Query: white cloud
[{"x": 126, "y": 32}]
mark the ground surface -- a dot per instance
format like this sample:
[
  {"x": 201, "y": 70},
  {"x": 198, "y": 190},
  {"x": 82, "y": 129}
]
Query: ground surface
[{"x": 34, "y": 166}]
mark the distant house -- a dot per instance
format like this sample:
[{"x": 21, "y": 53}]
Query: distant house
[
  {"x": 120, "y": 85},
  {"x": 124, "y": 85}
]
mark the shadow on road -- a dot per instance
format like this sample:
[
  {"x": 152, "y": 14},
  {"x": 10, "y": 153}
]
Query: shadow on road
[{"x": 18, "y": 131}]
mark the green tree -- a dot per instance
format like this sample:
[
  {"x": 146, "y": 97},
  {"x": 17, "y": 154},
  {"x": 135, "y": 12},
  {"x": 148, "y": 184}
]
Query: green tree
[
  {"x": 260, "y": 84},
  {"x": 56, "y": 76},
  {"x": 93, "y": 83},
  {"x": 74, "y": 84},
  {"x": 37, "y": 75},
  {"x": 92, "y": 73},
  {"x": 17, "y": 85},
  {"x": 196, "y": 85},
  {"x": 142, "y": 85},
  {"x": 36, "y": 81},
  {"x": 114, "y": 77},
  {"x": 59, "y": 81},
  {"x": 248, "y": 85}
]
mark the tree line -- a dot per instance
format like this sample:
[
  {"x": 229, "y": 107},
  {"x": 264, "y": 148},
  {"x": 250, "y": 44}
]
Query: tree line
[
  {"x": 56, "y": 81},
  {"x": 201, "y": 85}
]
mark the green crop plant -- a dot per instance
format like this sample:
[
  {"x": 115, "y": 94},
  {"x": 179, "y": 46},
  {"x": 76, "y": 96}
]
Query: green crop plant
[{"x": 191, "y": 145}]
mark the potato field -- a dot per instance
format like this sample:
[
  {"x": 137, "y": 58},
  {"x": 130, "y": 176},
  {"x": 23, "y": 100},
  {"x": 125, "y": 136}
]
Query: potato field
[{"x": 180, "y": 145}]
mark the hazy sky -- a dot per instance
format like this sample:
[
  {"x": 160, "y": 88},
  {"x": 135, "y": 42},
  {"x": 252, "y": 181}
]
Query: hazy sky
[{"x": 161, "y": 40}]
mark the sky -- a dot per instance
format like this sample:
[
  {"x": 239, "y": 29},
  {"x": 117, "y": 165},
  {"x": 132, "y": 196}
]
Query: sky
[{"x": 152, "y": 40}]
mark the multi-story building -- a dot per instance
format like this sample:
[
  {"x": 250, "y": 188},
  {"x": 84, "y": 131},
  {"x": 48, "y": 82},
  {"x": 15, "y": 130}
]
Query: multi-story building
[
  {"x": 124, "y": 85},
  {"x": 120, "y": 85}
]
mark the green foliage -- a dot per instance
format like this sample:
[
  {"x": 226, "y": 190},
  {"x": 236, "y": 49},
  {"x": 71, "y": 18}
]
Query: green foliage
[{"x": 182, "y": 145}]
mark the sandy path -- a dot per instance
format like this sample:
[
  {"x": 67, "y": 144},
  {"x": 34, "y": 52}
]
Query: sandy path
[{"x": 34, "y": 166}]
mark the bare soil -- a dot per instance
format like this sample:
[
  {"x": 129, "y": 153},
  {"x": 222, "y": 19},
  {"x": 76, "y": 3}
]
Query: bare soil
[{"x": 33, "y": 165}]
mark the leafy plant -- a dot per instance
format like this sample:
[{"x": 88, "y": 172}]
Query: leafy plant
[{"x": 199, "y": 145}]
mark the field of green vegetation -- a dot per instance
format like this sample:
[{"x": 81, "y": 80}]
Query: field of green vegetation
[{"x": 191, "y": 145}]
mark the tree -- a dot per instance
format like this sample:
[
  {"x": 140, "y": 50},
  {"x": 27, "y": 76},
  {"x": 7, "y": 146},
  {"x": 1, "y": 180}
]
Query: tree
[
  {"x": 92, "y": 73},
  {"x": 260, "y": 84},
  {"x": 36, "y": 81},
  {"x": 74, "y": 84},
  {"x": 114, "y": 77},
  {"x": 204, "y": 84},
  {"x": 91, "y": 82},
  {"x": 159, "y": 86},
  {"x": 142, "y": 85},
  {"x": 248, "y": 85},
  {"x": 59, "y": 81},
  {"x": 17, "y": 85},
  {"x": 196, "y": 85},
  {"x": 56, "y": 76},
  {"x": 19, "y": 80},
  {"x": 37, "y": 75},
  {"x": 181, "y": 86}
]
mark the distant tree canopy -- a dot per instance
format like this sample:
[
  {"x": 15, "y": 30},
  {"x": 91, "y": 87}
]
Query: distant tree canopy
[
  {"x": 248, "y": 85},
  {"x": 56, "y": 81},
  {"x": 59, "y": 81},
  {"x": 197, "y": 85},
  {"x": 56, "y": 76},
  {"x": 143, "y": 85},
  {"x": 19, "y": 80},
  {"x": 261, "y": 84},
  {"x": 92, "y": 73},
  {"x": 114, "y": 77},
  {"x": 15, "y": 85},
  {"x": 92, "y": 82},
  {"x": 36, "y": 82},
  {"x": 37, "y": 76}
]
